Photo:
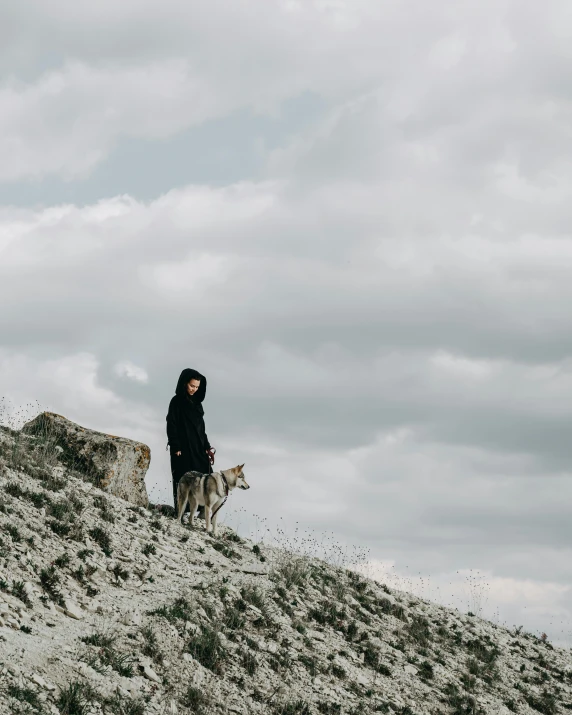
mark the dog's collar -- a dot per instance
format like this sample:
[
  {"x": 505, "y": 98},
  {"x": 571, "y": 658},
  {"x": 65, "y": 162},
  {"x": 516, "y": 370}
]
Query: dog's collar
[
  {"x": 226, "y": 490},
  {"x": 226, "y": 487}
]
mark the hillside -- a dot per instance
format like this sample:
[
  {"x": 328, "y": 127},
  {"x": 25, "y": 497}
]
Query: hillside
[{"x": 107, "y": 607}]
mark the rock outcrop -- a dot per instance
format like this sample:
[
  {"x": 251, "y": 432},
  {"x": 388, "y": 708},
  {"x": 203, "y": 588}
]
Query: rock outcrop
[{"x": 115, "y": 464}]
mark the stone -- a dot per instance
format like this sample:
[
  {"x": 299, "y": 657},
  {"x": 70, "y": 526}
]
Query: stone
[
  {"x": 132, "y": 618},
  {"x": 28, "y": 588},
  {"x": 150, "y": 674},
  {"x": 38, "y": 680},
  {"x": 316, "y": 635},
  {"x": 116, "y": 464},
  {"x": 192, "y": 628},
  {"x": 72, "y": 610},
  {"x": 254, "y": 568},
  {"x": 411, "y": 669}
]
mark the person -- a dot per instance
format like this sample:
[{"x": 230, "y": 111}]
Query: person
[{"x": 189, "y": 446}]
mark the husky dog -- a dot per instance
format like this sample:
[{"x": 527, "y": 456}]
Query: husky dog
[{"x": 208, "y": 490}]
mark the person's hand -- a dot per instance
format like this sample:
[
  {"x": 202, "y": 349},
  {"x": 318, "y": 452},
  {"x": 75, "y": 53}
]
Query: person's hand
[
  {"x": 178, "y": 454},
  {"x": 211, "y": 454}
]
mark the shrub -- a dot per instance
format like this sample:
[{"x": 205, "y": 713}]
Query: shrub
[
  {"x": 62, "y": 510},
  {"x": 60, "y": 528},
  {"x": 13, "y": 532},
  {"x": 62, "y": 560},
  {"x": 25, "y": 695},
  {"x": 233, "y": 617},
  {"x": 102, "y": 538},
  {"x": 19, "y": 591},
  {"x": 338, "y": 671},
  {"x": 249, "y": 662},
  {"x": 14, "y": 490},
  {"x": 482, "y": 652},
  {"x": 351, "y": 631},
  {"x": 419, "y": 630},
  {"x": 50, "y": 580},
  {"x": 544, "y": 703},
  {"x": 195, "y": 699},
  {"x": 76, "y": 699},
  {"x": 329, "y": 708},
  {"x": 225, "y": 550},
  {"x": 181, "y": 609},
  {"x": 207, "y": 649},
  {"x": 119, "y": 573},
  {"x": 294, "y": 707},
  {"x": 121, "y": 705},
  {"x": 105, "y": 510},
  {"x": 461, "y": 703},
  {"x": 426, "y": 670},
  {"x": 327, "y": 613},
  {"x": 310, "y": 663},
  {"x": 99, "y": 639},
  {"x": 151, "y": 644},
  {"x": 371, "y": 656},
  {"x": 106, "y": 656},
  {"x": 293, "y": 571},
  {"x": 254, "y": 595}
]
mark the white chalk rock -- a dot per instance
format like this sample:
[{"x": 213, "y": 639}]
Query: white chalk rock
[
  {"x": 72, "y": 610},
  {"x": 150, "y": 674},
  {"x": 132, "y": 617},
  {"x": 115, "y": 464}
]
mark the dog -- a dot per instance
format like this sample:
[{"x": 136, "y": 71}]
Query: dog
[{"x": 208, "y": 490}]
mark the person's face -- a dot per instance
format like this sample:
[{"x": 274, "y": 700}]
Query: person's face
[{"x": 193, "y": 386}]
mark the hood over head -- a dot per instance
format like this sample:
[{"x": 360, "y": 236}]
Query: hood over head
[{"x": 185, "y": 377}]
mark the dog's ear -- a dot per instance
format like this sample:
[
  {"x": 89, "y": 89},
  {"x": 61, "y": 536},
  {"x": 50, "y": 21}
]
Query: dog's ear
[{"x": 241, "y": 466}]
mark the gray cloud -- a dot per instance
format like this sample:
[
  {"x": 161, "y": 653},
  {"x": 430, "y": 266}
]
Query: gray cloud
[{"x": 373, "y": 270}]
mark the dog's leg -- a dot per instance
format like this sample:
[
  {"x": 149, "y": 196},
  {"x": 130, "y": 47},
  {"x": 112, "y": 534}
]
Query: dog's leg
[
  {"x": 215, "y": 517},
  {"x": 182, "y": 496},
  {"x": 207, "y": 516},
  {"x": 193, "y": 508}
]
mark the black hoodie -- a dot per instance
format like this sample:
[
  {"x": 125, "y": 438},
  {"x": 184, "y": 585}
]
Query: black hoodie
[{"x": 186, "y": 425}]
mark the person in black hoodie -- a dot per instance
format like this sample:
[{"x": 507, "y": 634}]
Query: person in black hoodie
[{"x": 188, "y": 443}]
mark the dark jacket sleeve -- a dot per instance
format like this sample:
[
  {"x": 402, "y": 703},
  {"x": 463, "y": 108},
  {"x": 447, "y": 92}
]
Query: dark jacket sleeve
[
  {"x": 172, "y": 431},
  {"x": 207, "y": 443}
]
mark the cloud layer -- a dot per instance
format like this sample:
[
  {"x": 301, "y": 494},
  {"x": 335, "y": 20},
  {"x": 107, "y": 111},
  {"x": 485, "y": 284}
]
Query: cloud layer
[{"x": 381, "y": 311}]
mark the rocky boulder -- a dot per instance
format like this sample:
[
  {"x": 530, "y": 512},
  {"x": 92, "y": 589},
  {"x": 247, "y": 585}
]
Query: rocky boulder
[{"x": 115, "y": 464}]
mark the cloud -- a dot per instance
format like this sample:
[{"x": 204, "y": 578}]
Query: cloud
[
  {"x": 153, "y": 70},
  {"x": 131, "y": 372},
  {"x": 381, "y": 312},
  {"x": 68, "y": 121}
]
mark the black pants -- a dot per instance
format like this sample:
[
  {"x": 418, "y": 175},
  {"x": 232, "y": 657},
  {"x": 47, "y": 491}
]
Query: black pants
[{"x": 179, "y": 467}]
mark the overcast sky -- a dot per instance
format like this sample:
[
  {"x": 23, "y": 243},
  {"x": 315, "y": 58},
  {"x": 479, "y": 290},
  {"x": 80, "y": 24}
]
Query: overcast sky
[{"x": 354, "y": 218}]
